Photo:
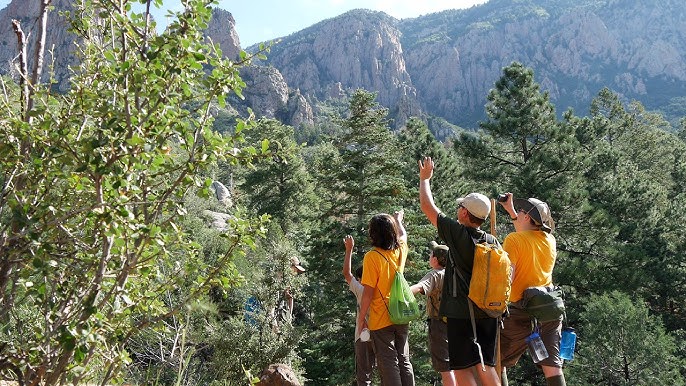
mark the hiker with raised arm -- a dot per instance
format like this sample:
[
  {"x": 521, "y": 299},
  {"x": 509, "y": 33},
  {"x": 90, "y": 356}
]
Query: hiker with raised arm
[
  {"x": 365, "y": 361},
  {"x": 460, "y": 235},
  {"x": 532, "y": 251},
  {"x": 388, "y": 254}
]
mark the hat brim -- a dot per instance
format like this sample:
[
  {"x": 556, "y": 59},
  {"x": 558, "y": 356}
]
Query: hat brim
[{"x": 528, "y": 208}]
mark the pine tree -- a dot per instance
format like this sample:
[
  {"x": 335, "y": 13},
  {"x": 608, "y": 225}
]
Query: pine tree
[
  {"x": 359, "y": 174},
  {"x": 632, "y": 227},
  {"x": 280, "y": 185},
  {"x": 522, "y": 148}
]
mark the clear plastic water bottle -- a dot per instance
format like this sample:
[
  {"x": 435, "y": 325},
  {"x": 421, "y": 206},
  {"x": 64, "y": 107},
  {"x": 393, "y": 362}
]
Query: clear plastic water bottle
[
  {"x": 536, "y": 347},
  {"x": 567, "y": 344}
]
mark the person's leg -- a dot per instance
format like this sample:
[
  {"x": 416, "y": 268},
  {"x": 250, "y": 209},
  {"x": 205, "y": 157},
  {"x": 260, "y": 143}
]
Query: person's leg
[
  {"x": 551, "y": 333},
  {"x": 465, "y": 377},
  {"x": 488, "y": 377},
  {"x": 383, "y": 341},
  {"x": 363, "y": 363},
  {"x": 448, "y": 378},
  {"x": 438, "y": 348},
  {"x": 554, "y": 376},
  {"x": 402, "y": 347},
  {"x": 517, "y": 327}
]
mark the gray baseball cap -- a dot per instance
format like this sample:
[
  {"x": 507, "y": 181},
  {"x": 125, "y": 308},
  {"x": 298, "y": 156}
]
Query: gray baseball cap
[{"x": 538, "y": 210}]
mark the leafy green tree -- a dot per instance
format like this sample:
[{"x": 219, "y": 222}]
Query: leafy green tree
[
  {"x": 622, "y": 344},
  {"x": 92, "y": 194}
]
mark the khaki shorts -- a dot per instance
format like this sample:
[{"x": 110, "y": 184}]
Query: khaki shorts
[
  {"x": 518, "y": 326},
  {"x": 438, "y": 345}
]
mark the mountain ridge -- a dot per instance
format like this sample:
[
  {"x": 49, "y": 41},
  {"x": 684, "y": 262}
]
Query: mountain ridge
[{"x": 444, "y": 64}]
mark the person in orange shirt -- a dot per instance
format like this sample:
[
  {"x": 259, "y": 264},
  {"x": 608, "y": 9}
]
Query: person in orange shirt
[
  {"x": 388, "y": 254},
  {"x": 532, "y": 251}
]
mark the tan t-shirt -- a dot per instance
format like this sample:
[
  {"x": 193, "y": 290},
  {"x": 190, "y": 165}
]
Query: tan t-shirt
[
  {"x": 432, "y": 286},
  {"x": 378, "y": 271},
  {"x": 533, "y": 255}
]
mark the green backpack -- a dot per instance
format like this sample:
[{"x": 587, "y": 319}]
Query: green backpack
[{"x": 402, "y": 305}]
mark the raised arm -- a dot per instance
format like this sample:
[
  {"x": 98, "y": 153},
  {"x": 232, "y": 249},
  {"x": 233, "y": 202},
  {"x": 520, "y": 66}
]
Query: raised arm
[
  {"x": 426, "y": 199},
  {"x": 399, "y": 217},
  {"x": 347, "y": 265},
  {"x": 508, "y": 205}
]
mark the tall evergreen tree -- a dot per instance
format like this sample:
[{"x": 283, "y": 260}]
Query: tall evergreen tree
[
  {"x": 359, "y": 174},
  {"x": 416, "y": 142},
  {"x": 635, "y": 209},
  {"x": 522, "y": 147},
  {"x": 279, "y": 185}
]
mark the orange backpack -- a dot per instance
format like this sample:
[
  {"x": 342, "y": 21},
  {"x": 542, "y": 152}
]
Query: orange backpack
[{"x": 490, "y": 287}]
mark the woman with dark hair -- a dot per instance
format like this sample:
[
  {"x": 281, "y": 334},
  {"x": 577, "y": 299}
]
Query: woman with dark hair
[{"x": 388, "y": 255}]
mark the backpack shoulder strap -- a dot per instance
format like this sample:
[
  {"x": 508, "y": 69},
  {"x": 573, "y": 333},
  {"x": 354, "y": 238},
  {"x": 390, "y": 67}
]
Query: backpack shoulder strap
[{"x": 378, "y": 289}]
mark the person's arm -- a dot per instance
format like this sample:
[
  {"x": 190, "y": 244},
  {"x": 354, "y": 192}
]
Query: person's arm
[
  {"x": 349, "y": 242},
  {"x": 426, "y": 199},
  {"x": 364, "y": 307},
  {"x": 417, "y": 288},
  {"x": 508, "y": 205},
  {"x": 402, "y": 233}
]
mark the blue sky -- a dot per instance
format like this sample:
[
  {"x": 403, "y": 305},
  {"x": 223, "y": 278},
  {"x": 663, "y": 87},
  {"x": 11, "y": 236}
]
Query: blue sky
[{"x": 261, "y": 20}]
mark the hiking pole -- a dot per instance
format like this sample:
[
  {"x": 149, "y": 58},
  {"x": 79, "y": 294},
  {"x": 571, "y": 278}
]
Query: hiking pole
[
  {"x": 498, "y": 364},
  {"x": 493, "y": 216}
]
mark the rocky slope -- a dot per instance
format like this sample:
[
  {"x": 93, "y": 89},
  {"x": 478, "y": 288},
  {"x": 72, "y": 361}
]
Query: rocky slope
[
  {"x": 444, "y": 64},
  {"x": 58, "y": 40}
]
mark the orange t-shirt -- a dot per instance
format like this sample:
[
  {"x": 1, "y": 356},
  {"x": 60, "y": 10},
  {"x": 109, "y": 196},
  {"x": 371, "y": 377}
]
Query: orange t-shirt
[
  {"x": 378, "y": 271},
  {"x": 533, "y": 255}
]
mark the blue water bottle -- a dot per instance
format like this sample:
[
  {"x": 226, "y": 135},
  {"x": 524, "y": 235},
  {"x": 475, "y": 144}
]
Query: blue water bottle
[{"x": 567, "y": 344}]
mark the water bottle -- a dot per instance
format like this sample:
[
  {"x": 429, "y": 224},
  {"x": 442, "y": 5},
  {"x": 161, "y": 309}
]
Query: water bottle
[
  {"x": 364, "y": 335},
  {"x": 567, "y": 344},
  {"x": 536, "y": 347}
]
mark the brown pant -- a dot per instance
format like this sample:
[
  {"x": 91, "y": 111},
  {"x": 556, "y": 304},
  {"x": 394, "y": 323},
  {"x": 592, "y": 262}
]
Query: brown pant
[
  {"x": 365, "y": 361},
  {"x": 393, "y": 355},
  {"x": 518, "y": 326}
]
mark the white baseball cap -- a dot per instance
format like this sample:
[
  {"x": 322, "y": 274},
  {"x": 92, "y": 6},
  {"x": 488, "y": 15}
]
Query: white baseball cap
[{"x": 477, "y": 204}]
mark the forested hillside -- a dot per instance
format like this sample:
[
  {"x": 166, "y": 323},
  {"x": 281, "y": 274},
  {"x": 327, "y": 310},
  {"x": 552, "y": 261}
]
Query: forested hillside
[{"x": 148, "y": 232}]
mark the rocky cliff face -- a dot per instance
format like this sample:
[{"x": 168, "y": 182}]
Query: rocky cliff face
[
  {"x": 58, "y": 40},
  {"x": 444, "y": 64},
  {"x": 267, "y": 93},
  {"x": 222, "y": 31},
  {"x": 360, "y": 49}
]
